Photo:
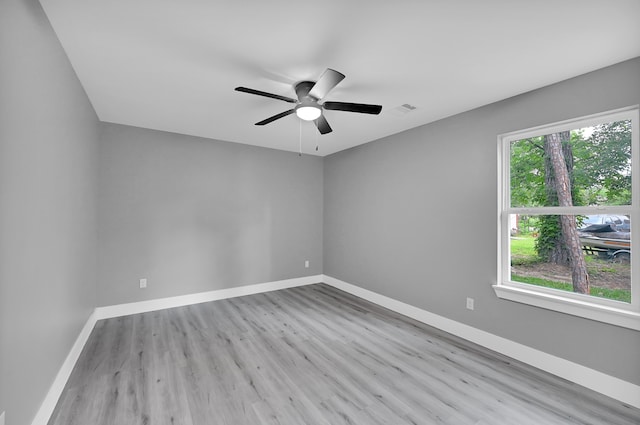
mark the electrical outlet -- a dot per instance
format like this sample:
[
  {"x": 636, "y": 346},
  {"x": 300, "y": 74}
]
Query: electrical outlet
[
  {"x": 306, "y": 264},
  {"x": 143, "y": 283},
  {"x": 470, "y": 303}
]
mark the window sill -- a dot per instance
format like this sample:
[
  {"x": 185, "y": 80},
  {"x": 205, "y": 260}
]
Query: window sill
[{"x": 615, "y": 316}]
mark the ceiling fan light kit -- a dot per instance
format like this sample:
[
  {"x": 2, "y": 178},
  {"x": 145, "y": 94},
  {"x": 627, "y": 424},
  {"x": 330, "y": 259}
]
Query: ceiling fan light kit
[
  {"x": 309, "y": 95},
  {"x": 308, "y": 112}
]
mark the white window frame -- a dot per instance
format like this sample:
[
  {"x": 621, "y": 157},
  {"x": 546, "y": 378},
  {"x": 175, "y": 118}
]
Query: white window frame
[{"x": 604, "y": 310}]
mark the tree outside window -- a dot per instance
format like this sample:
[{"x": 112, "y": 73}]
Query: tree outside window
[{"x": 567, "y": 209}]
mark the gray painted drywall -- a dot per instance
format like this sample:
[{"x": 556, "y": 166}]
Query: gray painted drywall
[
  {"x": 413, "y": 217},
  {"x": 194, "y": 215},
  {"x": 48, "y": 160}
]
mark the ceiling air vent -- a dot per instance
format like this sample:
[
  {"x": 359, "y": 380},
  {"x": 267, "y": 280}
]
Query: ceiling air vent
[{"x": 403, "y": 109}]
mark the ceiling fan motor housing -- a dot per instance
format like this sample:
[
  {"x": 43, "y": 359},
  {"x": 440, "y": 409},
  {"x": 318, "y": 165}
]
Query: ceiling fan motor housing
[{"x": 303, "y": 88}]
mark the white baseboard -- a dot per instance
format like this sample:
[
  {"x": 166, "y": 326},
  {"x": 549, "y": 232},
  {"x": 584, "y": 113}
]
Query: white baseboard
[
  {"x": 51, "y": 399},
  {"x": 605, "y": 384},
  {"x": 201, "y": 297},
  {"x": 610, "y": 386}
]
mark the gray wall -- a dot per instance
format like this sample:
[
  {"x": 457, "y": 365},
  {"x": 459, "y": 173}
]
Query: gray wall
[
  {"x": 413, "y": 217},
  {"x": 48, "y": 148},
  {"x": 194, "y": 215}
]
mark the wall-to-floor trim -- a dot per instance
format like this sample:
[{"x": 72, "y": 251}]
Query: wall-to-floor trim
[
  {"x": 610, "y": 386},
  {"x": 201, "y": 297},
  {"x": 55, "y": 391}
]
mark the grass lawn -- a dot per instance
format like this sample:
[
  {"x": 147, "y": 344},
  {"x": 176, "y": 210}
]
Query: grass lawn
[
  {"x": 611, "y": 294},
  {"x": 523, "y": 250},
  {"x": 523, "y": 253}
]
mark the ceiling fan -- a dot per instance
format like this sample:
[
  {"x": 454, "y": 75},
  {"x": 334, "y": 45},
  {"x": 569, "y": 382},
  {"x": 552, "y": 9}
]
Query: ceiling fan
[{"x": 308, "y": 106}]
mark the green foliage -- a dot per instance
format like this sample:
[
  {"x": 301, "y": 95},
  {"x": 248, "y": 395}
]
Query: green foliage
[
  {"x": 549, "y": 235},
  {"x": 527, "y": 172},
  {"x": 601, "y": 167},
  {"x": 603, "y": 164},
  {"x": 528, "y": 225}
]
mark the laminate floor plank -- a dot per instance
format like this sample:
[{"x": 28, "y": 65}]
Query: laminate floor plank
[{"x": 309, "y": 355}]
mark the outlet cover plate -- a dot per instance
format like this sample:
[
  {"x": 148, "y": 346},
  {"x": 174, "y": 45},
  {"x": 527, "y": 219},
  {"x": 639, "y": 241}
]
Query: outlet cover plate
[{"x": 470, "y": 303}]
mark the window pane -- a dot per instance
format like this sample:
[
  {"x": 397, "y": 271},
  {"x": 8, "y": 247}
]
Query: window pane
[
  {"x": 540, "y": 253},
  {"x": 597, "y": 166}
]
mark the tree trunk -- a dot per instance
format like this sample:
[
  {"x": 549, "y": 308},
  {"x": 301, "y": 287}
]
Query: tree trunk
[
  {"x": 570, "y": 237},
  {"x": 554, "y": 248}
]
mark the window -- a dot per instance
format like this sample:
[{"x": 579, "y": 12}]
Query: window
[{"x": 569, "y": 216}]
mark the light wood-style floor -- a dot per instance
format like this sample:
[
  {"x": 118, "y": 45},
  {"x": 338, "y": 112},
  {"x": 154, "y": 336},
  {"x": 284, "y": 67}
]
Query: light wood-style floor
[{"x": 308, "y": 355}]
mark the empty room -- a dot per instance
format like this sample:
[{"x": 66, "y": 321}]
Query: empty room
[{"x": 322, "y": 213}]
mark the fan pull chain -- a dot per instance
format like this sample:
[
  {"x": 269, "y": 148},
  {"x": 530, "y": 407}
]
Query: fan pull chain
[
  {"x": 316, "y": 140},
  {"x": 300, "y": 139}
]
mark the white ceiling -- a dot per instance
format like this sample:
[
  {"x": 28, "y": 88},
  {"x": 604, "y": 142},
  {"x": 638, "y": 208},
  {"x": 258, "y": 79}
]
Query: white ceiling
[{"x": 172, "y": 65}]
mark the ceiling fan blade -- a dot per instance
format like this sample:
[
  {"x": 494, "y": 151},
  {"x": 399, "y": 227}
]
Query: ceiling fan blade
[
  {"x": 323, "y": 125},
  {"x": 328, "y": 80},
  {"x": 362, "y": 108},
  {"x": 276, "y": 117},
  {"x": 265, "y": 94}
]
